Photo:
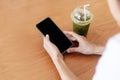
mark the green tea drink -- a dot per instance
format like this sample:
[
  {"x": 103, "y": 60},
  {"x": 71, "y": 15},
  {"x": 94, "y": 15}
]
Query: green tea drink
[{"x": 81, "y": 20}]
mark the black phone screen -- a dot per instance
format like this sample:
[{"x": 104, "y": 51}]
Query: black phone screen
[{"x": 57, "y": 37}]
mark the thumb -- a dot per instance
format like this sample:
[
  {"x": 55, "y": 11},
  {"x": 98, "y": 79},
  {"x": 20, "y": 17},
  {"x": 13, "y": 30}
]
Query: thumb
[
  {"x": 70, "y": 50},
  {"x": 46, "y": 39},
  {"x": 47, "y": 36}
]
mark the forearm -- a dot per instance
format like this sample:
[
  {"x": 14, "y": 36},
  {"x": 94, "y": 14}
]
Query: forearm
[
  {"x": 64, "y": 71},
  {"x": 98, "y": 50}
]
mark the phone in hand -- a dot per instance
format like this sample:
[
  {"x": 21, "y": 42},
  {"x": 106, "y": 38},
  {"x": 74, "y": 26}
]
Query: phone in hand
[{"x": 57, "y": 37}]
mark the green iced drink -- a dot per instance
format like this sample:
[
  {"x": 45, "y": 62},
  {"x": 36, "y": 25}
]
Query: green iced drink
[
  {"x": 80, "y": 29},
  {"x": 81, "y": 21}
]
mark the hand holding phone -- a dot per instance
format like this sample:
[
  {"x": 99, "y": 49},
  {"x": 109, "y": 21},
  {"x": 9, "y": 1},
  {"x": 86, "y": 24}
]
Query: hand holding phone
[{"x": 57, "y": 37}]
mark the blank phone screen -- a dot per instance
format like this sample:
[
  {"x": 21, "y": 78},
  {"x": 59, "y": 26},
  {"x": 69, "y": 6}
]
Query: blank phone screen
[{"x": 57, "y": 37}]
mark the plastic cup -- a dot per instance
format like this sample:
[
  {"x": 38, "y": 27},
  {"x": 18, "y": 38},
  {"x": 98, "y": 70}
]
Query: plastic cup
[{"x": 80, "y": 24}]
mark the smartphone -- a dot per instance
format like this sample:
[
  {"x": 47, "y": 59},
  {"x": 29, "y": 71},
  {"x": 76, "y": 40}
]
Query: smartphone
[{"x": 57, "y": 37}]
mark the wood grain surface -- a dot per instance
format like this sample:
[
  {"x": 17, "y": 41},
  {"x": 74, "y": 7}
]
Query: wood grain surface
[{"x": 22, "y": 56}]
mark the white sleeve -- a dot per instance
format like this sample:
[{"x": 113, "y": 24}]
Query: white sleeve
[{"x": 108, "y": 67}]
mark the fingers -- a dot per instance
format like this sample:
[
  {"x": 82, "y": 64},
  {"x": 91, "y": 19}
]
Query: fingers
[
  {"x": 47, "y": 37},
  {"x": 46, "y": 40},
  {"x": 72, "y": 38},
  {"x": 70, "y": 50},
  {"x": 74, "y": 35},
  {"x": 78, "y": 37}
]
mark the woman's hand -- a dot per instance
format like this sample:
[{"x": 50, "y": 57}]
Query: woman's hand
[
  {"x": 64, "y": 71},
  {"x": 52, "y": 50},
  {"x": 85, "y": 46}
]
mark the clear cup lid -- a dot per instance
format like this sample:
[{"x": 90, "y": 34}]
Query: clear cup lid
[{"x": 78, "y": 16}]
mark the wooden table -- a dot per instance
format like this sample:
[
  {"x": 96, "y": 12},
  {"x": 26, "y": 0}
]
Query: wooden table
[{"x": 22, "y": 56}]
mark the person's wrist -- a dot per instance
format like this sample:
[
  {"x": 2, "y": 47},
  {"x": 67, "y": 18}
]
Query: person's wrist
[
  {"x": 58, "y": 56},
  {"x": 98, "y": 50},
  {"x": 57, "y": 60}
]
